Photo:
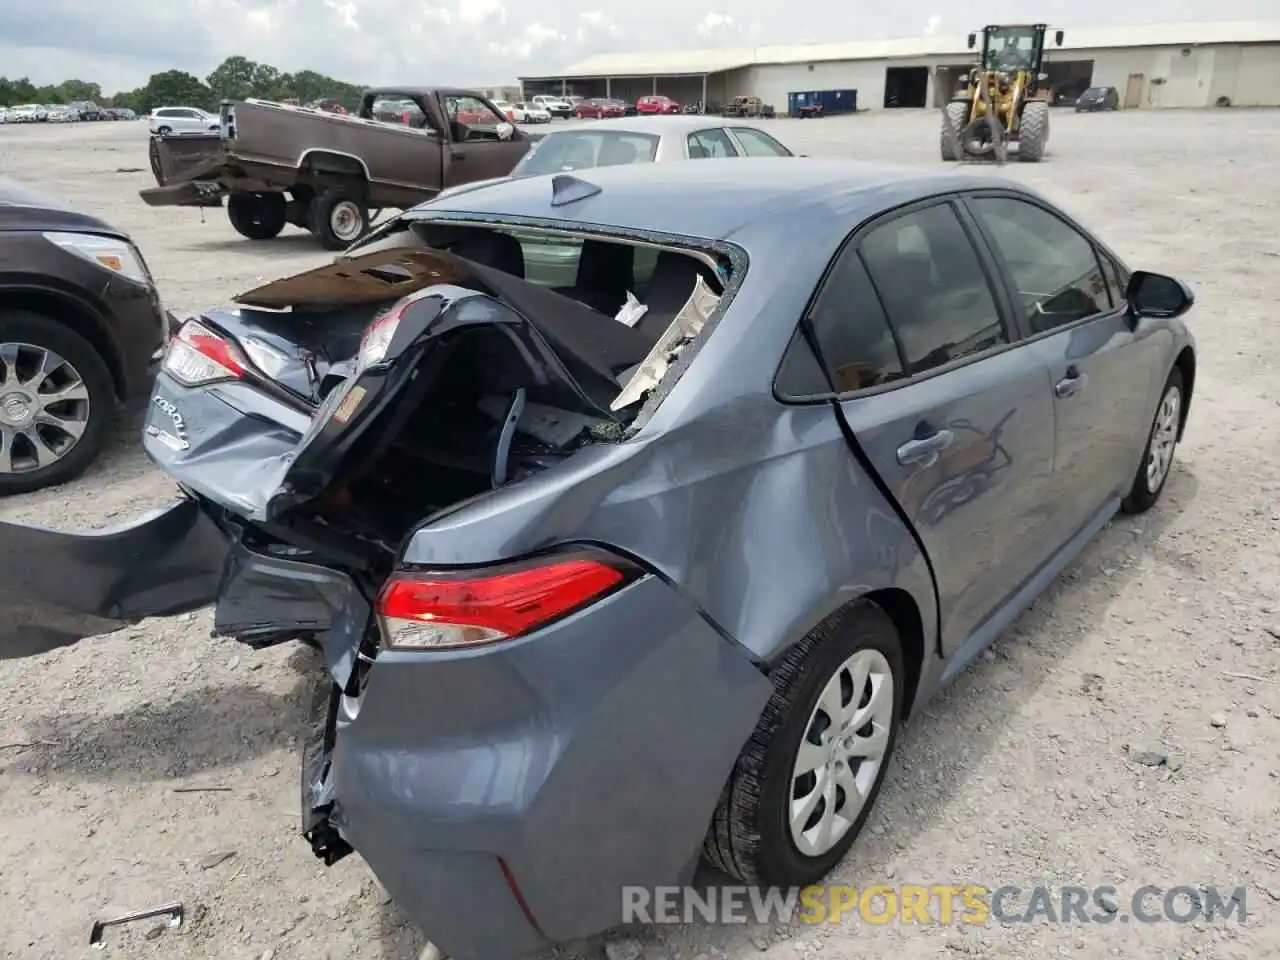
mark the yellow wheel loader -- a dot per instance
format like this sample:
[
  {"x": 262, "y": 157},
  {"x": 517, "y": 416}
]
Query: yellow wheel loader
[{"x": 1005, "y": 100}]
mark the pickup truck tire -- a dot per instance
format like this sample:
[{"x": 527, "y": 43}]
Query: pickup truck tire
[
  {"x": 258, "y": 216},
  {"x": 339, "y": 218},
  {"x": 73, "y": 367}
]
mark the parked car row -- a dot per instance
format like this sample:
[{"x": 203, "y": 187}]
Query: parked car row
[{"x": 62, "y": 113}]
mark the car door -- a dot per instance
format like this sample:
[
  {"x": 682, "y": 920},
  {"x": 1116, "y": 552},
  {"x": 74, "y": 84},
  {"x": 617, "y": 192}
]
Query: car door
[
  {"x": 1104, "y": 375},
  {"x": 950, "y": 410},
  {"x": 482, "y": 148},
  {"x": 711, "y": 143},
  {"x": 58, "y": 588}
]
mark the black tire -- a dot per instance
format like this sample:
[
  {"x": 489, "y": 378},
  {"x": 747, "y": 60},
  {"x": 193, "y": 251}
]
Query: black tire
[
  {"x": 327, "y": 209},
  {"x": 1033, "y": 132},
  {"x": 164, "y": 131},
  {"x": 956, "y": 118},
  {"x": 22, "y": 326},
  {"x": 258, "y": 216},
  {"x": 1142, "y": 495},
  {"x": 750, "y": 837}
]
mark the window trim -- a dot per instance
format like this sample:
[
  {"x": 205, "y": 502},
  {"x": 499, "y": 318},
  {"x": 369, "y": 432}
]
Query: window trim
[
  {"x": 996, "y": 283},
  {"x": 1100, "y": 251},
  {"x": 733, "y": 134}
]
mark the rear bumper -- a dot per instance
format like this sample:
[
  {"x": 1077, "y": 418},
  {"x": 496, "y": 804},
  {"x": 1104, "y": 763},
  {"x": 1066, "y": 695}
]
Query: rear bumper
[
  {"x": 587, "y": 757},
  {"x": 193, "y": 193}
]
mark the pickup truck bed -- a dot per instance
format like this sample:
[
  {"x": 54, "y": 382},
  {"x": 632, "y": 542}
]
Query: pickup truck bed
[{"x": 276, "y": 164}]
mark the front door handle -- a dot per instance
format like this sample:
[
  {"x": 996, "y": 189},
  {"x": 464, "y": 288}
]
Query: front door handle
[
  {"x": 1071, "y": 384},
  {"x": 459, "y": 156},
  {"x": 924, "y": 450}
]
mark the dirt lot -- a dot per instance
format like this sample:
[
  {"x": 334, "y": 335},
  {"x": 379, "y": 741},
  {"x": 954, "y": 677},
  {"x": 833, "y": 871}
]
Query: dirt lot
[{"x": 1166, "y": 632}]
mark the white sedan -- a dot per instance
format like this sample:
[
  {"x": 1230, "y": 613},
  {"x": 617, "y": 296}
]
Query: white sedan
[{"x": 525, "y": 113}]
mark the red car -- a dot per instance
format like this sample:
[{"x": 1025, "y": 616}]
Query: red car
[
  {"x": 599, "y": 108},
  {"x": 657, "y": 105}
]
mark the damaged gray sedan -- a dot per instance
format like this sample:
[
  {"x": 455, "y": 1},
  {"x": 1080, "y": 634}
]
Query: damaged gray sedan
[{"x": 634, "y": 512}]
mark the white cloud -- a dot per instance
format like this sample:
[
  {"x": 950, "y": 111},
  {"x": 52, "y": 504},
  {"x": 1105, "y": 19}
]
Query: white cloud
[
  {"x": 714, "y": 24},
  {"x": 481, "y": 42}
]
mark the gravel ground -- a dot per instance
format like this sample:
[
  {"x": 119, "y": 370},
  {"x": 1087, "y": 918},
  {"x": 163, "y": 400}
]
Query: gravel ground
[{"x": 1166, "y": 632}]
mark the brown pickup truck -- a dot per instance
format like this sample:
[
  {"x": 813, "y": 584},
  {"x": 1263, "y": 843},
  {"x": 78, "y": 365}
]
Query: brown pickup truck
[{"x": 323, "y": 171}]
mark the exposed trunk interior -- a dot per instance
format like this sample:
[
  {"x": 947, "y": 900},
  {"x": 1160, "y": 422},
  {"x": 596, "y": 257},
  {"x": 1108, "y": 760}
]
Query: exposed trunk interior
[{"x": 474, "y": 412}]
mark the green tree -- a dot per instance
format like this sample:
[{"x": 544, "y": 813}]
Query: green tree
[
  {"x": 175, "y": 88},
  {"x": 233, "y": 79},
  {"x": 76, "y": 90}
]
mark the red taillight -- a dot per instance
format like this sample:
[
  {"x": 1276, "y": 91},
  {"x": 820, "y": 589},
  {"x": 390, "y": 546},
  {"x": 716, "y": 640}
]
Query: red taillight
[
  {"x": 197, "y": 356},
  {"x": 440, "y": 610}
]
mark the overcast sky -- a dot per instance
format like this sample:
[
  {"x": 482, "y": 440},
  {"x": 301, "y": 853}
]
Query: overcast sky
[{"x": 120, "y": 44}]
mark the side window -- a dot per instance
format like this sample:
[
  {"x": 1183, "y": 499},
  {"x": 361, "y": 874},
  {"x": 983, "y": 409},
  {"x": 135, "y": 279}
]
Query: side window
[
  {"x": 931, "y": 281},
  {"x": 399, "y": 110},
  {"x": 757, "y": 143},
  {"x": 1054, "y": 267},
  {"x": 851, "y": 329},
  {"x": 799, "y": 374},
  {"x": 707, "y": 144}
]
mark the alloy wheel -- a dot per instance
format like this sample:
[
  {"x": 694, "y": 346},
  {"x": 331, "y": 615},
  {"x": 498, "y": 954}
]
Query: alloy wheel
[{"x": 44, "y": 407}]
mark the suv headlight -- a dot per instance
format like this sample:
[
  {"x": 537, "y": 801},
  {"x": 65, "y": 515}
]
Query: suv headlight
[{"x": 110, "y": 253}]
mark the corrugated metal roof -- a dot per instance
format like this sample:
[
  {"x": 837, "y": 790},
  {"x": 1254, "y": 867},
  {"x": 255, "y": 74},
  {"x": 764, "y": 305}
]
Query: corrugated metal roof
[{"x": 692, "y": 62}]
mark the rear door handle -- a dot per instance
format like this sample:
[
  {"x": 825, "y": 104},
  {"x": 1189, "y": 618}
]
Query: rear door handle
[
  {"x": 924, "y": 450},
  {"x": 1071, "y": 384}
]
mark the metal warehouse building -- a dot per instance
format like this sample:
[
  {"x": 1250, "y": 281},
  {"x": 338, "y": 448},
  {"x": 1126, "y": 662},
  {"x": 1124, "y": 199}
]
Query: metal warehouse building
[{"x": 1152, "y": 65}]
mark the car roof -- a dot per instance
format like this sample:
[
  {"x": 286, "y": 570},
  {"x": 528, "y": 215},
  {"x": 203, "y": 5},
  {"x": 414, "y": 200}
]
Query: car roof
[
  {"x": 717, "y": 199},
  {"x": 679, "y": 123}
]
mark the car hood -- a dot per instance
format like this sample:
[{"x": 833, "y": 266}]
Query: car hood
[{"x": 23, "y": 208}]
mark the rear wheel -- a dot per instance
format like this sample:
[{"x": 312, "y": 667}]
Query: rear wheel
[
  {"x": 339, "y": 218},
  {"x": 56, "y": 402},
  {"x": 807, "y": 779},
  {"x": 258, "y": 216},
  {"x": 1033, "y": 131}
]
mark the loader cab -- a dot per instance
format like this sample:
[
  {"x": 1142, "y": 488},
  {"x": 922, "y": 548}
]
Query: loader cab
[{"x": 1015, "y": 49}]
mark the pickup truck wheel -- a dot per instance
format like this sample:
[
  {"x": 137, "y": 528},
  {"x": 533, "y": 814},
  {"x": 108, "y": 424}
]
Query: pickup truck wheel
[
  {"x": 339, "y": 219},
  {"x": 57, "y": 401},
  {"x": 258, "y": 216}
]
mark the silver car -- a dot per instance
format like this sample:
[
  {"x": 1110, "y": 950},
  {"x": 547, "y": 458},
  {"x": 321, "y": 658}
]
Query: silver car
[
  {"x": 170, "y": 120},
  {"x": 630, "y": 140}
]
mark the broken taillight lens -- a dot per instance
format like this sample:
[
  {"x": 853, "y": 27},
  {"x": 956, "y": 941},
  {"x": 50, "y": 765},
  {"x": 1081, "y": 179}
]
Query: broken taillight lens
[
  {"x": 378, "y": 335},
  {"x": 444, "y": 610},
  {"x": 197, "y": 355}
]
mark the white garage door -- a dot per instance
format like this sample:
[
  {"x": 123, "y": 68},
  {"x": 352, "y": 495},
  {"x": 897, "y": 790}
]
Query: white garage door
[{"x": 1258, "y": 77}]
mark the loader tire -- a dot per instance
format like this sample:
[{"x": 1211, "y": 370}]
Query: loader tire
[
  {"x": 1033, "y": 132},
  {"x": 956, "y": 118}
]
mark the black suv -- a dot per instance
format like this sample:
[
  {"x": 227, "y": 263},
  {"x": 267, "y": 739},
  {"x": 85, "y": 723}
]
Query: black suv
[{"x": 80, "y": 323}]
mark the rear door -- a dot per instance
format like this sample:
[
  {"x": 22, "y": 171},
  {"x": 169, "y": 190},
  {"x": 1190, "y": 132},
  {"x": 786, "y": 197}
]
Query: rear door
[
  {"x": 1105, "y": 377},
  {"x": 58, "y": 588},
  {"x": 953, "y": 414}
]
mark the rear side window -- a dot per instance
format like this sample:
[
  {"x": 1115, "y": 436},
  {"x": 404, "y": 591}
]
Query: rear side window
[
  {"x": 710, "y": 144},
  {"x": 931, "y": 282},
  {"x": 582, "y": 150},
  {"x": 852, "y": 334},
  {"x": 1055, "y": 268},
  {"x": 757, "y": 143}
]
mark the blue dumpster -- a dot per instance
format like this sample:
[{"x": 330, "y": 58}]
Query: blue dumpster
[{"x": 833, "y": 102}]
